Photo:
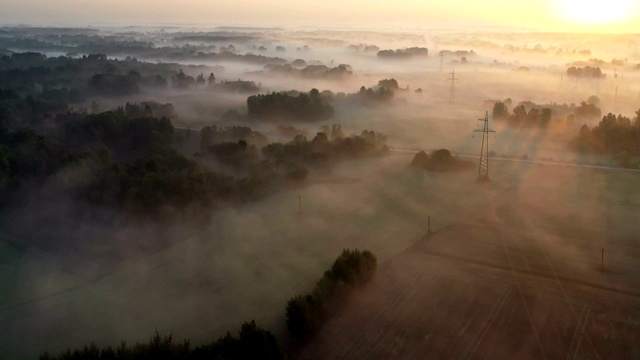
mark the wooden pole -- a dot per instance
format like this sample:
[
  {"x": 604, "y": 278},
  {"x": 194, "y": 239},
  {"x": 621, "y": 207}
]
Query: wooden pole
[
  {"x": 300, "y": 204},
  {"x": 429, "y": 225},
  {"x": 602, "y": 261}
]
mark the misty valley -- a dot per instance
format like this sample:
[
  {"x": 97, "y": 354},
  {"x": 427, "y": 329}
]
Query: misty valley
[{"x": 184, "y": 192}]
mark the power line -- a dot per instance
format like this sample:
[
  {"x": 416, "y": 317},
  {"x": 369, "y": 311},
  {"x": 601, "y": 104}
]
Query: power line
[
  {"x": 453, "y": 79},
  {"x": 483, "y": 168}
]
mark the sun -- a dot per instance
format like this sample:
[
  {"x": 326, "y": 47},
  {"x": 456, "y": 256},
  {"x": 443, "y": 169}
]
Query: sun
[{"x": 595, "y": 11}]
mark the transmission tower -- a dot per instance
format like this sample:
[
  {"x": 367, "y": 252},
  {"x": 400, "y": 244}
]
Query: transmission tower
[
  {"x": 483, "y": 168},
  {"x": 453, "y": 79},
  {"x": 441, "y": 60}
]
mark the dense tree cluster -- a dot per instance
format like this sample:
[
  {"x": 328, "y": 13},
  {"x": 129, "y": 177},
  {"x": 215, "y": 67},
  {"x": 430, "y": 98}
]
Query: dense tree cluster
[
  {"x": 441, "y": 160},
  {"x": 323, "y": 151},
  {"x": 615, "y": 135},
  {"x": 339, "y": 72},
  {"x": 32, "y": 73},
  {"x": 285, "y": 107},
  {"x": 520, "y": 117},
  {"x": 152, "y": 183},
  {"x": 252, "y": 342},
  {"x": 370, "y": 96},
  {"x": 123, "y": 160},
  {"x": 182, "y": 80},
  {"x": 306, "y": 313},
  {"x": 211, "y": 135},
  {"x": 586, "y": 71},
  {"x": 238, "y": 154},
  {"x": 458, "y": 53},
  {"x": 26, "y": 156},
  {"x": 391, "y": 84},
  {"x": 408, "y": 53},
  {"x": 225, "y": 55},
  {"x": 115, "y": 84},
  {"x": 530, "y": 115},
  {"x": 239, "y": 86},
  {"x": 299, "y": 63}
]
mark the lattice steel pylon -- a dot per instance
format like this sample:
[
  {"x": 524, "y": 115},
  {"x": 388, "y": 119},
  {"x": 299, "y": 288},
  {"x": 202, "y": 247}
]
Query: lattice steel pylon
[
  {"x": 483, "y": 168},
  {"x": 452, "y": 92}
]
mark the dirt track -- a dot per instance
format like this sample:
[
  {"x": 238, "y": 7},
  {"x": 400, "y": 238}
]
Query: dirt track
[{"x": 519, "y": 279}]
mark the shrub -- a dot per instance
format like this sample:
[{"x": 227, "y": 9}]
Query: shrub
[{"x": 306, "y": 313}]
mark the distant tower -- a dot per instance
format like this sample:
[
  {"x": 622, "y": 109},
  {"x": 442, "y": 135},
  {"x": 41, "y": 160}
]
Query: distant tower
[
  {"x": 453, "y": 79},
  {"x": 483, "y": 168}
]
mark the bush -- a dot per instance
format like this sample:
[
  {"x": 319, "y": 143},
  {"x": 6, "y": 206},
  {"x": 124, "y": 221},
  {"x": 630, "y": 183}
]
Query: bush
[
  {"x": 441, "y": 160},
  {"x": 253, "y": 343},
  {"x": 306, "y": 313}
]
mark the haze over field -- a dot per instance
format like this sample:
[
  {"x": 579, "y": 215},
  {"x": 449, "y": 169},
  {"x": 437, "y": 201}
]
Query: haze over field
[{"x": 184, "y": 167}]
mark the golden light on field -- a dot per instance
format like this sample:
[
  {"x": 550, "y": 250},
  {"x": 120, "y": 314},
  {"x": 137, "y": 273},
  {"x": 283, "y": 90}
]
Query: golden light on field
[{"x": 597, "y": 12}]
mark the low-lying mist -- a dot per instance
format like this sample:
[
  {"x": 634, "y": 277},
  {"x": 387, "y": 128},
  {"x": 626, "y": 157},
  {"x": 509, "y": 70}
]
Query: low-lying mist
[{"x": 74, "y": 272}]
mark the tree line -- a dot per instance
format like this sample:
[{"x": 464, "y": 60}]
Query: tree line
[
  {"x": 305, "y": 315},
  {"x": 441, "y": 160},
  {"x": 126, "y": 159},
  {"x": 615, "y": 135},
  {"x": 527, "y": 114}
]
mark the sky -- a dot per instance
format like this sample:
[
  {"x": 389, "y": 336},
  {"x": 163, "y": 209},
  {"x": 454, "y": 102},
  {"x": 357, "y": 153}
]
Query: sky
[{"x": 545, "y": 15}]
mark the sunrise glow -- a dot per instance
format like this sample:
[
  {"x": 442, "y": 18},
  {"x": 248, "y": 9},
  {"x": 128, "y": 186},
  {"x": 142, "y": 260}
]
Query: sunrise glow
[{"x": 595, "y": 11}]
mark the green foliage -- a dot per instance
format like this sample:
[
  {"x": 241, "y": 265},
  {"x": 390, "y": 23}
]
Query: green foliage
[
  {"x": 235, "y": 154},
  {"x": 615, "y": 135},
  {"x": 285, "y": 107},
  {"x": 253, "y": 343},
  {"x": 114, "y": 84},
  {"x": 500, "y": 111},
  {"x": 127, "y": 161},
  {"x": 211, "y": 135},
  {"x": 339, "y": 72},
  {"x": 306, "y": 313},
  {"x": 370, "y": 96},
  {"x": 151, "y": 183},
  {"x": 530, "y": 115},
  {"x": 321, "y": 151},
  {"x": 441, "y": 160},
  {"x": 239, "y": 86}
]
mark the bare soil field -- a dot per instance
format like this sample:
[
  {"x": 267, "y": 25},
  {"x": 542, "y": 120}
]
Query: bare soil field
[{"x": 518, "y": 278}]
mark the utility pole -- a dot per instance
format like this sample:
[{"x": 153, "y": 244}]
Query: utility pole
[
  {"x": 483, "y": 168},
  {"x": 299, "y": 204},
  {"x": 452, "y": 93},
  {"x": 441, "y": 60}
]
